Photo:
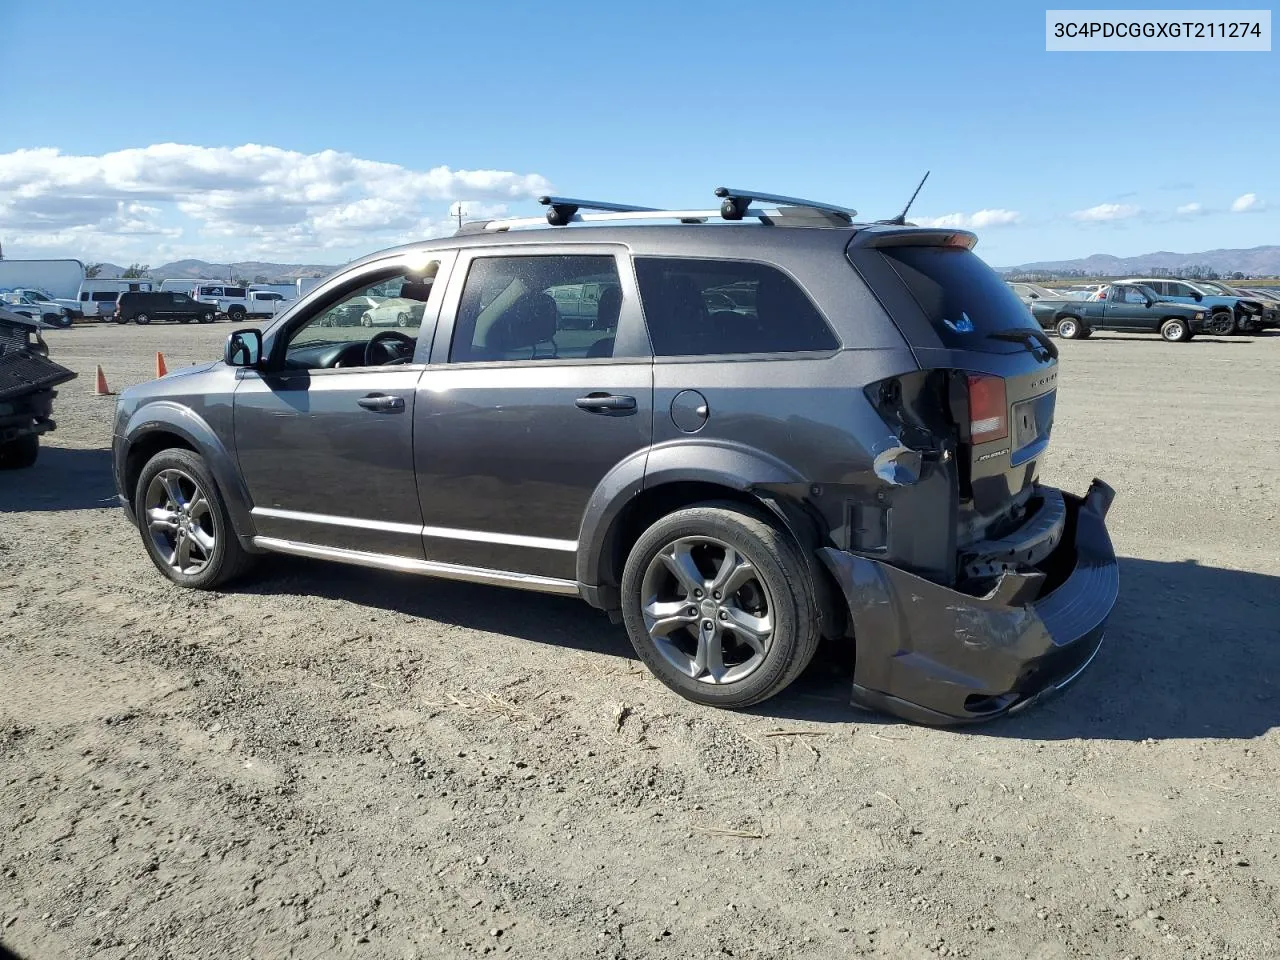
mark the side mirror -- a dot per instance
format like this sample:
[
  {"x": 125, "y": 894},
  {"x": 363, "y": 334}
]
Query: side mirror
[
  {"x": 244, "y": 348},
  {"x": 1198, "y": 296},
  {"x": 1150, "y": 303}
]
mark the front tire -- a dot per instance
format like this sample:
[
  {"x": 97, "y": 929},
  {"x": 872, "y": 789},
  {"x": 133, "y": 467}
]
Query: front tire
[
  {"x": 64, "y": 320},
  {"x": 236, "y": 314},
  {"x": 1222, "y": 323},
  {"x": 1070, "y": 328},
  {"x": 1175, "y": 330},
  {"x": 206, "y": 317},
  {"x": 21, "y": 453},
  {"x": 142, "y": 319},
  {"x": 719, "y": 605},
  {"x": 184, "y": 522}
]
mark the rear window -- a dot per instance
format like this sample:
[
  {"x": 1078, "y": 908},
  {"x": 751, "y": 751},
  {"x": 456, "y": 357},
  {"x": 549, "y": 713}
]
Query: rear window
[
  {"x": 702, "y": 307},
  {"x": 964, "y": 299}
]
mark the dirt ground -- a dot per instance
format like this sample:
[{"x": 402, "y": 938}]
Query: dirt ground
[{"x": 330, "y": 762}]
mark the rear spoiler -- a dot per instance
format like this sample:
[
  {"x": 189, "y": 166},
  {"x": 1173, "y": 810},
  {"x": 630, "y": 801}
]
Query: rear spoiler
[{"x": 881, "y": 235}]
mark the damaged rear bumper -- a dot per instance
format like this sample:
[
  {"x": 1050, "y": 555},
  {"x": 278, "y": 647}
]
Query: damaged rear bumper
[{"x": 931, "y": 654}]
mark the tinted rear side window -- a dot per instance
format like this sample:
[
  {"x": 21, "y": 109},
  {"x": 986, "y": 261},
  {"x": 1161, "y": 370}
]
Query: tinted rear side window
[
  {"x": 702, "y": 307},
  {"x": 964, "y": 299}
]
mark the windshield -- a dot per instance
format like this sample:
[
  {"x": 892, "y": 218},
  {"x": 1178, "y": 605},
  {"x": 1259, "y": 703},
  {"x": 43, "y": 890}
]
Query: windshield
[{"x": 964, "y": 299}]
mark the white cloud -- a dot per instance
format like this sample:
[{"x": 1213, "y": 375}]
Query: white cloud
[
  {"x": 1247, "y": 203},
  {"x": 251, "y": 200},
  {"x": 1107, "y": 211},
  {"x": 980, "y": 220},
  {"x": 1191, "y": 209}
]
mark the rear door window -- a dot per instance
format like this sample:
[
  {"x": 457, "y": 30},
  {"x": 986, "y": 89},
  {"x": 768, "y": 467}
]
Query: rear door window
[
  {"x": 696, "y": 307},
  {"x": 964, "y": 300}
]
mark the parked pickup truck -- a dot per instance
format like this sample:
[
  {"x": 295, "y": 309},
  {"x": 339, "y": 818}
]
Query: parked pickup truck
[
  {"x": 239, "y": 303},
  {"x": 1130, "y": 307}
]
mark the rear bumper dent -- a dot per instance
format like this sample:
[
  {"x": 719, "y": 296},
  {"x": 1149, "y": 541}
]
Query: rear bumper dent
[{"x": 934, "y": 655}]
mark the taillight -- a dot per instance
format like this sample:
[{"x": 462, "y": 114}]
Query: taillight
[{"x": 988, "y": 408}]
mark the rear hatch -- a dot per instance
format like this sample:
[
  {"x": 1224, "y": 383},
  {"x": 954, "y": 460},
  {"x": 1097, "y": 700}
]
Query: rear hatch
[{"x": 964, "y": 322}]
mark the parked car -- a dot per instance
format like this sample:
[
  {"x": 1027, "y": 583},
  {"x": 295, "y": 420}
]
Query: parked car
[
  {"x": 349, "y": 312},
  {"x": 27, "y": 379},
  {"x": 1269, "y": 297},
  {"x": 1129, "y": 307},
  {"x": 393, "y": 312},
  {"x": 98, "y": 295},
  {"x": 1254, "y": 312},
  {"x": 24, "y": 306},
  {"x": 1224, "y": 311},
  {"x": 856, "y": 456},
  {"x": 142, "y": 308},
  {"x": 68, "y": 311}
]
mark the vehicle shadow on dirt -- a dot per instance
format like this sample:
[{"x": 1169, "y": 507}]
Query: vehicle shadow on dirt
[
  {"x": 1191, "y": 651},
  {"x": 541, "y": 618},
  {"x": 63, "y": 478}
]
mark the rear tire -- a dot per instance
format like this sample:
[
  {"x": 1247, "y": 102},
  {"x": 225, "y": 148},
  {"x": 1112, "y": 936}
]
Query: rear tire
[
  {"x": 402, "y": 319},
  {"x": 1175, "y": 330},
  {"x": 731, "y": 650},
  {"x": 222, "y": 558},
  {"x": 1071, "y": 328},
  {"x": 21, "y": 453}
]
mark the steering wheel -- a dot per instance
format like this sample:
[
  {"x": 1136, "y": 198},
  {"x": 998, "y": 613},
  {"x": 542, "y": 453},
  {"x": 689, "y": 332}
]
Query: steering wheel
[{"x": 383, "y": 340}]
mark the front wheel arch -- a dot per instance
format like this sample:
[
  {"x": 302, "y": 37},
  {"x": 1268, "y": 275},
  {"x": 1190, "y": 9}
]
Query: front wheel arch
[{"x": 173, "y": 425}]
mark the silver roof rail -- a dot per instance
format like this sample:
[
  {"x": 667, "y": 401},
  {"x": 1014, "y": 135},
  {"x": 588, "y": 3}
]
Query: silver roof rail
[
  {"x": 735, "y": 202},
  {"x": 611, "y": 216}
]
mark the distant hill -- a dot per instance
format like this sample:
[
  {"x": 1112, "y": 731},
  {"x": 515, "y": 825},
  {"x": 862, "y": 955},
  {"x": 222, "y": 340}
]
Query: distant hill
[
  {"x": 1254, "y": 262},
  {"x": 245, "y": 270}
]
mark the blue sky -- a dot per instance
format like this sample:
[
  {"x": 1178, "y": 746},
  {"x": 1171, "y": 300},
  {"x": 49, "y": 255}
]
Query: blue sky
[{"x": 324, "y": 130}]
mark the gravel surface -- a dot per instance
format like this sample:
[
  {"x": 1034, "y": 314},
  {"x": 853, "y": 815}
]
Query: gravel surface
[{"x": 332, "y": 762}]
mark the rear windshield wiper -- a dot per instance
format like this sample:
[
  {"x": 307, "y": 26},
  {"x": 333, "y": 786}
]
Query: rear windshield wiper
[{"x": 1026, "y": 337}]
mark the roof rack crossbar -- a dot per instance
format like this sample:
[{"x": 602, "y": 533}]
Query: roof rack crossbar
[
  {"x": 560, "y": 210},
  {"x": 735, "y": 203},
  {"x": 611, "y": 216}
]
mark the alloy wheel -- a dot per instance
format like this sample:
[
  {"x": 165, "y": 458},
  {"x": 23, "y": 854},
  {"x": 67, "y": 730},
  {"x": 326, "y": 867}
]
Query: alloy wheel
[
  {"x": 180, "y": 521},
  {"x": 707, "y": 610}
]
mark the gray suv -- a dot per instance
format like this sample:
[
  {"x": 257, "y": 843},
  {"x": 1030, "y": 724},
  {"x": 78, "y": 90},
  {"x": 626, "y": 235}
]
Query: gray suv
[{"x": 779, "y": 425}]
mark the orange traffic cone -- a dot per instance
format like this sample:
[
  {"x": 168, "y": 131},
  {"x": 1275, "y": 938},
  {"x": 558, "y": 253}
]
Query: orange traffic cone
[
  {"x": 161, "y": 369},
  {"x": 100, "y": 388}
]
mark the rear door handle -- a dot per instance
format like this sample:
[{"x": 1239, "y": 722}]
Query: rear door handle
[
  {"x": 604, "y": 402},
  {"x": 381, "y": 402}
]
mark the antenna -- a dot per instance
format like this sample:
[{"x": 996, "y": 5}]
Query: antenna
[
  {"x": 901, "y": 219},
  {"x": 459, "y": 213}
]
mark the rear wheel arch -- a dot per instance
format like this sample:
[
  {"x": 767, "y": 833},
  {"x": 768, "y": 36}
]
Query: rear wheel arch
[{"x": 655, "y": 501}]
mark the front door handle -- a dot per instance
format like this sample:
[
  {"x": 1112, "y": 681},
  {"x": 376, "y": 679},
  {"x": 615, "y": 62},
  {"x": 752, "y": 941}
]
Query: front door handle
[
  {"x": 381, "y": 402},
  {"x": 605, "y": 402}
]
